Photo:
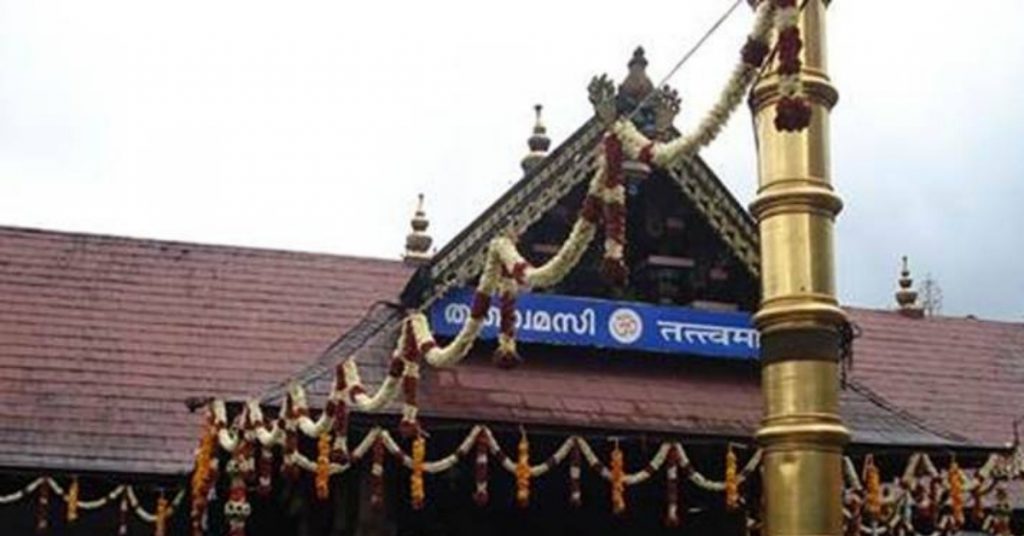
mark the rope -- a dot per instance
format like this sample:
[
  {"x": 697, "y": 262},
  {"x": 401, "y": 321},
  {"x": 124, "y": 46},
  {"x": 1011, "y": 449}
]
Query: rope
[{"x": 689, "y": 54}]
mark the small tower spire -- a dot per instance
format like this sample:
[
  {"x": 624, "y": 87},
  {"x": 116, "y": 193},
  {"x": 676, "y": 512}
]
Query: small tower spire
[
  {"x": 539, "y": 142},
  {"x": 417, "y": 242},
  {"x": 906, "y": 296}
]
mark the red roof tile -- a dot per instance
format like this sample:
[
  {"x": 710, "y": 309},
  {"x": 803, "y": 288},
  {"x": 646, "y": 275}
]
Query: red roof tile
[
  {"x": 102, "y": 338},
  {"x": 958, "y": 374},
  {"x": 576, "y": 388}
]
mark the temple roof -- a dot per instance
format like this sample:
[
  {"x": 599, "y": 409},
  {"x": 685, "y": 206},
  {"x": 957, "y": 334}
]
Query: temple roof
[
  {"x": 103, "y": 338},
  {"x": 606, "y": 390}
]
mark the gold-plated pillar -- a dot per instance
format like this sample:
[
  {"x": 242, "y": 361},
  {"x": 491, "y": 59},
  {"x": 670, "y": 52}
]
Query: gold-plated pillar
[{"x": 795, "y": 208}]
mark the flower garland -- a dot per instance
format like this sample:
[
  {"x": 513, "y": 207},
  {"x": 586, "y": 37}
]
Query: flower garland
[
  {"x": 792, "y": 113},
  {"x": 480, "y": 469},
  {"x": 873, "y": 485},
  {"x": 575, "y": 489},
  {"x": 613, "y": 266},
  {"x": 160, "y": 524},
  {"x": 43, "y": 510},
  {"x": 417, "y": 493},
  {"x": 410, "y": 356},
  {"x": 618, "y": 480},
  {"x": 523, "y": 472},
  {"x": 672, "y": 519},
  {"x": 122, "y": 517},
  {"x": 71, "y": 498},
  {"x": 732, "y": 486},
  {"x": 237, "y": 507},
  {"x": 506, "y": 355},
  {"x": 752, "y": 56},
  {"x": 203, "y": 473},
  {"x": 956, "y": 491},
  {"x": 323, "y": 460},
  {"x": 377, "y": 474},
  {"x": 264, "y": 470}
]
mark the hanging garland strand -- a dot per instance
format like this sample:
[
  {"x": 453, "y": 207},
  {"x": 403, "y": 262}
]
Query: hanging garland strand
[
  {"x": 792, "y": 113},
  {"x": 417, "y": 492}
]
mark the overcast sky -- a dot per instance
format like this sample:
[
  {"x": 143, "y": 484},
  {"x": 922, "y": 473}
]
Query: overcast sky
[{"x": 312, "y": 125}]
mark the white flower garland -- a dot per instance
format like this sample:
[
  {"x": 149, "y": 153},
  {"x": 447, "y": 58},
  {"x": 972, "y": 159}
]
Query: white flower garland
[{"x": 665, "y": 154}]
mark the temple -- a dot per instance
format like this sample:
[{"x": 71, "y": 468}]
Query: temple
[{"x": 633, "y": 410}]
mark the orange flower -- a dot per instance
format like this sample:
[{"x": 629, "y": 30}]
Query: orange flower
[
  {"x": 72, "y": 500},
  {"x": 732, "y": 486},
  {"x": 618, "y": 481},
  {"x": 523, "y": 473},
  {"x": 416, "y": 489},
  {"x": 323, "y": 466},
  {"x": 873, "y": 488},
  {"x": 956, "y": 492}
]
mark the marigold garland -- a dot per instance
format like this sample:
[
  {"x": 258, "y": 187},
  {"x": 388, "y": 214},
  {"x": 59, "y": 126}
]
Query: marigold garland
[
  {"x": 873, "y": 488},
  {"x": 72, "y": 500},
  {"x": 201, "y": 474},
  {"x": 618, "y": 472},
  {"x": 160, "y": 521},
  {"x": 523, "y": 472},
  {"x": 956, "y": 491},
  {"x": 323, "y": 460},
  {"x": 732, "y": 486},
  {"x": 417, "y": 493}
]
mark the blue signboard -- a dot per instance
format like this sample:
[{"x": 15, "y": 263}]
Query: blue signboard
[{"x": 566, "y": 320}]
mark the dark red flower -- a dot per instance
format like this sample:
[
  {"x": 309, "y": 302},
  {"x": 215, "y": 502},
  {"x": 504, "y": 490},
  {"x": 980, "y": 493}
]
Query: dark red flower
[
  {"x": 792, "y": 114},
  {"x": 481, "y": 303},
  {"x": 591, "y": 210},
  {"x": 753, "y": 53}
]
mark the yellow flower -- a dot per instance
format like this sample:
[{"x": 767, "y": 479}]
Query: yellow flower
[
  {"x": 873, "y": 488},
  {"x": 618, "y": 480},
  {"x": 732, "y": 486},
  {"x": 417, "y": 492},
  {"x": 72, "y": 500},
  {"x": 523, "y": 473},
  {"x": 323, "y": 465}
]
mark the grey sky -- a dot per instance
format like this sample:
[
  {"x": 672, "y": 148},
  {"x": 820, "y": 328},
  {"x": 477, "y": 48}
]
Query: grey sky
[{"x": 312, "y": 125}]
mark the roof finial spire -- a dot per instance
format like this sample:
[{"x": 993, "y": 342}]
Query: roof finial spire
[
  {"x": 417, "y": 242},
  {"x": 906, "y": 297},
  {"x": 539, "y": 143},
  {"x": 637, "y": 84}
]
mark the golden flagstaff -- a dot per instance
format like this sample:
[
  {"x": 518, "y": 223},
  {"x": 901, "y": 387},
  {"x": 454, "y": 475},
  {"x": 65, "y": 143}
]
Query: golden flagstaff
[{"x": 802, "y": 327}]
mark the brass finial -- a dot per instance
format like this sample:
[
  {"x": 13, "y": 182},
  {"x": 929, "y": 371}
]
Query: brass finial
[
  {"x": 637, "y": 84},
  {"x": 906, "y": 297},
  {"x": 539, "y": 142},
  {"x": 417, "y": 242}
]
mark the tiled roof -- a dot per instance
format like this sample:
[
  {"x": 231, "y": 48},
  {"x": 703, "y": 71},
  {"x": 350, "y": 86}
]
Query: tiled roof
[
  {"x": 103, "y": 338},
  {"x": 610, "y": 391},
  {"x": 959, "y": 374}
]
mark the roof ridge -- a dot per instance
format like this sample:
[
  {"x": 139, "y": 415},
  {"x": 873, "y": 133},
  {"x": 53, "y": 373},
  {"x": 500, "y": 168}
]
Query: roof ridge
[
  {"x": 139, "y": 240},
  {"x": 344, "y": 346},
  {"x": 940, "y": 317},
  {"x": 882, "y": 402}
]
